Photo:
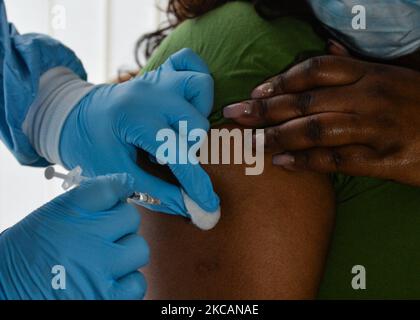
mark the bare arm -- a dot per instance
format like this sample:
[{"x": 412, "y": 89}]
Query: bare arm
[{"x": 271, "y": 242}]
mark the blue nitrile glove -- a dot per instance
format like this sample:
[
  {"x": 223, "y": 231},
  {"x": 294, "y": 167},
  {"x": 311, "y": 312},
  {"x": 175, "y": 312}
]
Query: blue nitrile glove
[
  {"x": 104, "y": 129},
  {"x": 81, "y": 245}
]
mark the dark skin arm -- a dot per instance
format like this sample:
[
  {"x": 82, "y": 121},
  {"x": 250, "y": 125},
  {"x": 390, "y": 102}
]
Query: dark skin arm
[
  {"x": 339, "y": 114},
  {"x": 271, "y": 241}
]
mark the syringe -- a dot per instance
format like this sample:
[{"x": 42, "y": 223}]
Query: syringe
[
  {"x": 74, "y": 178},
  {"x": 202, "y": 219}
]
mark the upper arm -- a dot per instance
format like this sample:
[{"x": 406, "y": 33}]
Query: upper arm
[
  {"x": 273, "y": 235},
  {"x": 270, "y": 243}
]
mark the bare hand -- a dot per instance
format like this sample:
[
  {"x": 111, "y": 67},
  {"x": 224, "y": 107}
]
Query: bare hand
[{"x": 338, "y": 114}]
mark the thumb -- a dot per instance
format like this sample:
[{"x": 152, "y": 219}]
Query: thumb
[
  {"x": 101, "y": 193},
  {"x": 186, "y": 60}
]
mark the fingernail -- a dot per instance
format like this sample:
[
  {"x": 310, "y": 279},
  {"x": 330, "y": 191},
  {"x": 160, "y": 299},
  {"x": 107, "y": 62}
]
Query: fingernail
[
  {"x": 284, "y": 160},
  {"x": 263, "y": 91},
  {"x": 237, "y": 110}
]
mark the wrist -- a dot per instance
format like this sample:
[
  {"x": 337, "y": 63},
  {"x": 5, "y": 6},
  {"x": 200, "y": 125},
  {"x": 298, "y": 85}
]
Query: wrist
[{"x": 60, "y": 90}]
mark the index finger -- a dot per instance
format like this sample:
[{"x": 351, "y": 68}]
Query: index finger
[
  {"x": 313, "y": 73},
  {"x": 100, "y": 193}
]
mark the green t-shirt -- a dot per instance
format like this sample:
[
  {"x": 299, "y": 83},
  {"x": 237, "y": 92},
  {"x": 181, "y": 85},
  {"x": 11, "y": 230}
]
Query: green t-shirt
[
  {"x": 378, "y": 222},
  {"x": 241, "y": 49}
]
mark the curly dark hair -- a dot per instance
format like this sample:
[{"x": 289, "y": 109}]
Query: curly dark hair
[{"x": 180, "y": 10}]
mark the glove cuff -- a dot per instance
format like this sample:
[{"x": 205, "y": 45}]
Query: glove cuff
[{"x": 60, "y": 90}]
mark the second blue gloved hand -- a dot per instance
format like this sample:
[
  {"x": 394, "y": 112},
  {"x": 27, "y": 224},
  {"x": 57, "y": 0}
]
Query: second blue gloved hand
[
  {"x": 107, "y": 126},
  {"x": 81, "y": 245}
]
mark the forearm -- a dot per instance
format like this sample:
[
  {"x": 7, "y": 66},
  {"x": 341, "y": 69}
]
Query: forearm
[{"x": 24, "y": 60}]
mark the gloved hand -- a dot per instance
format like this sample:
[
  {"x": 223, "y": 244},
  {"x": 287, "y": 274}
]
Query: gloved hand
[
  {"x": 103, "y": 131},
  {"x": 84, "y": 240}
]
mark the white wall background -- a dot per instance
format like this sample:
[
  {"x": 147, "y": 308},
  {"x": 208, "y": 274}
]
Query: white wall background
[{"x": 103, "y": 34}]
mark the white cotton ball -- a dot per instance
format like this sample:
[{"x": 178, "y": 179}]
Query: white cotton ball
[{"x": 202, "y": 219}]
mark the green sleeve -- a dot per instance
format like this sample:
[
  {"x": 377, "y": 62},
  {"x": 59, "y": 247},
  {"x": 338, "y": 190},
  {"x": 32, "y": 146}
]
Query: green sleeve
[{"x": 241, "y": 48}]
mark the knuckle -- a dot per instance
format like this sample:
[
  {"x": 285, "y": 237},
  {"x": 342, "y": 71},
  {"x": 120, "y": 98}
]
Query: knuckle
[
  {"x": 198, "y": 81},
  {"x": 262, "y": 109},
  {"x": 279, "y": 83},
  {"x": 313, "y": 130},
  {"x": 277, "y": 134},
  {"x": 205, "y": 79},
  {"x": 335, "y": 159},
  {"x": 312, "y": 66},
  {"x": 273, "y": 136},
  {"x": 303, "y": 103}
]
